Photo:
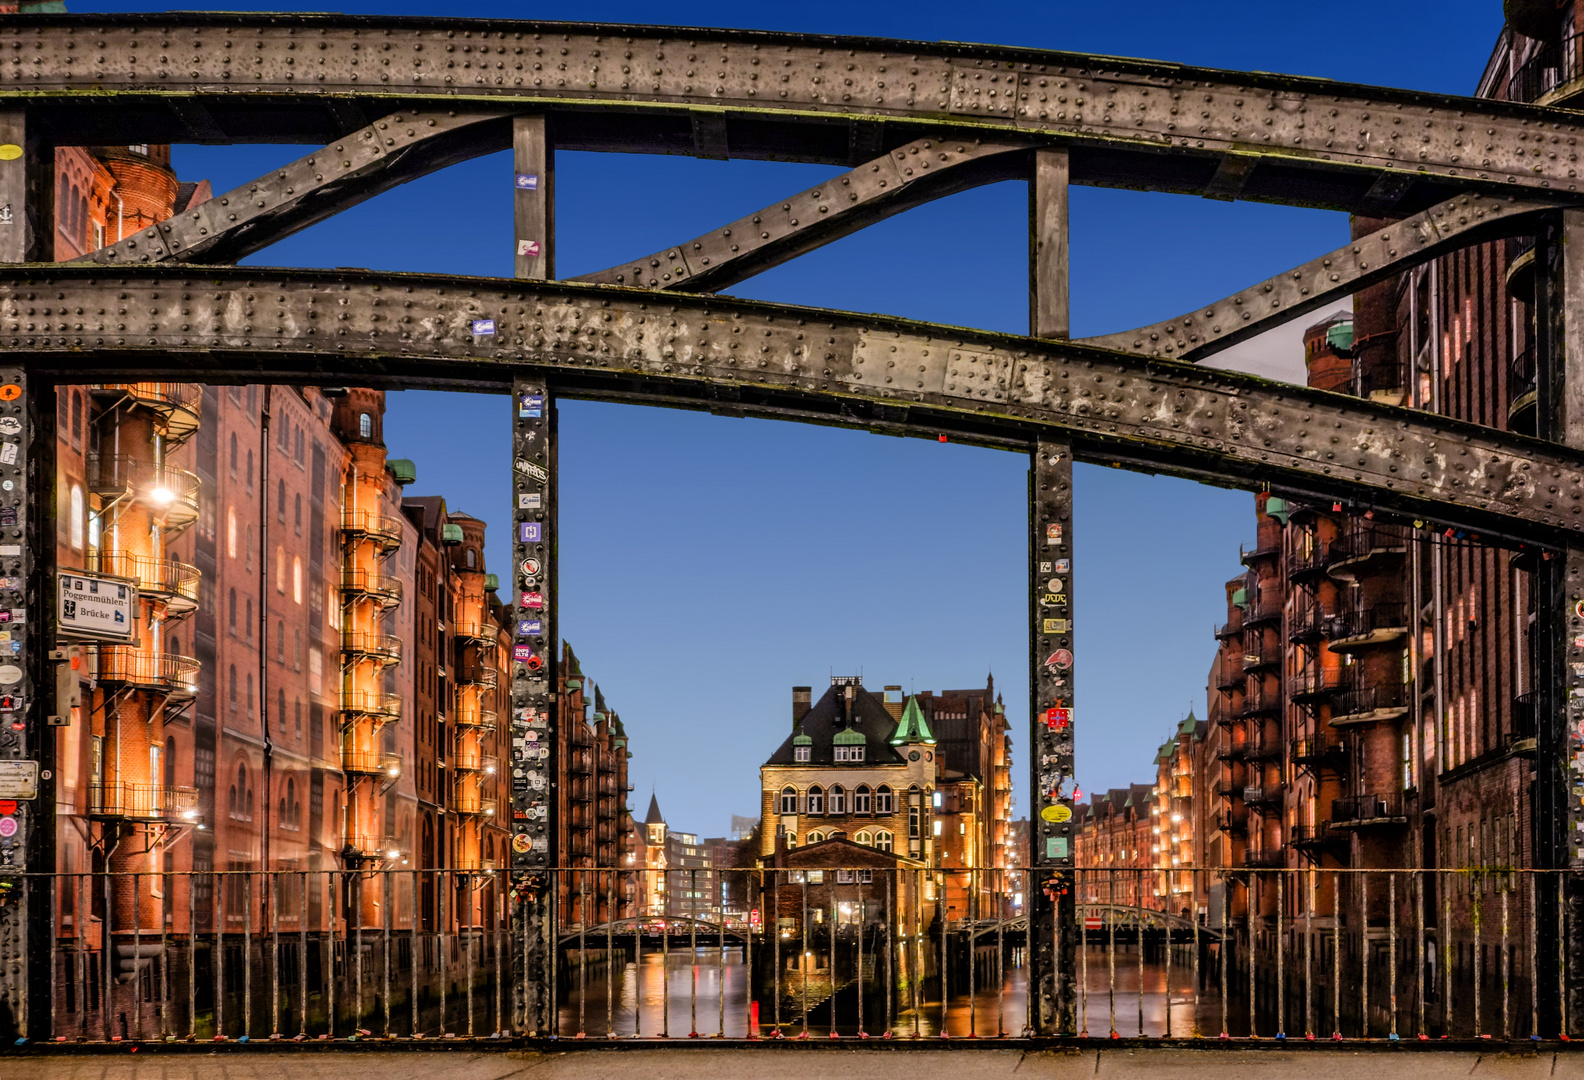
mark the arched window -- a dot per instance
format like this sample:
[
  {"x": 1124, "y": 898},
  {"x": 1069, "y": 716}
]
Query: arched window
[
  {"x": 83, "y": 220},
  {"x": 472, "y": 558},
  {"x": 788, "y": 800},
  {"x": 247, "y": 624},
  {"x": 365, "y": 426},
  {"x": 883, "y": 840},
  {"x": 280, "y": 570},
  {"x": 250, "y": 471},
  {"x": 838, "y": 799},
  {"x": 170, "y": 761},
  {"x": 74, "y": 526},
  {"x": 816, "y": 800},
  {"x": 231, "y": 532},
  {"x": 77, "y": 416},
  {"x": 883, "y": 800},
  {"x": 173, "y": 644},
  {"x": 297, "y": 579},
  {"x": 791, "y": 840},
  {"x": 864, "y": 837},
  {"x": 233, "y": 455},
  {"x": 297, "y": 717},
  {"x": 297, "y": 513},
  {"x": 861, "y": 799},
  {"x": 250, "y": 693},
  {"x": 280, "y": 502},
  {"x": 69, "y": 218},
  {"x": 241, "y": 793},
  {"x": 231, "y": 609},
  {"x": 280, "y": 709},
  {"x": 233, "y": 688},
  {"x": 815, "y": 837}
]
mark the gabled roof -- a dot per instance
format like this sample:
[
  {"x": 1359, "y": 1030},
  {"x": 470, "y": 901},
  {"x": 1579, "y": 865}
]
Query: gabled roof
[
  {"x": 912, "y": 727},
  {"x": 817, "y": 729}
]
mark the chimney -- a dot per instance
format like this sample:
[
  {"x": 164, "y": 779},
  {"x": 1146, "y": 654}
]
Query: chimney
[
  {"x": 801, "y": 697},
  {"x": 893, "y": 702}
]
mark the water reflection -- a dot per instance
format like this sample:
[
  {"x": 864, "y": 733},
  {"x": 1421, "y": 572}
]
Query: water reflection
[{"x": 680, "y": 995}]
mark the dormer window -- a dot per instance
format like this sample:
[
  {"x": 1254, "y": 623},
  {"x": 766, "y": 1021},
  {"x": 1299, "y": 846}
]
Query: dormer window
[
  {"x": 849, "y": 753},
  {"x": 800, "y": 753}
]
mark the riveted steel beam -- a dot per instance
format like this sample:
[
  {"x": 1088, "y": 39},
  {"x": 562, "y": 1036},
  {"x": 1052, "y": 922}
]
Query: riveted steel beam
[
  {"x": 391, "y": 151},
  {"x": 399, "y": 329},
  {"x": 906, "y": 177},
  {"x": 755, "y": 94},
  {"x": 1454, "y": 224}
]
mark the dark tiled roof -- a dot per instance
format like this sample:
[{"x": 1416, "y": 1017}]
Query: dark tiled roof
[
  {"x": 829, "y": 715},
  {"x": 653, "y": 817}
]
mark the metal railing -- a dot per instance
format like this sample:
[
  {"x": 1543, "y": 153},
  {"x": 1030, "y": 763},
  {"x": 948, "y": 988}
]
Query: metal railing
[
  {"x": 1317, "y": 751},
  {"x": 1360, "y": 704},
  {"x": 384, "y": 647},
  {"x": 170, "y": 492},
  {"x": 477, "y": 675},
  {"x": 143, "y": 802},
  {"x": 1553, "y": 64},
  {"x": 381, "y": 706},
  {"x": 382, "y": 528},
  {"x": 371, "y": 762},
  {"x": 170, "y": 579},
  {"x": 1314, "y": 686},
  {"x": 357, "y": 582},
  {"x": 177, "y": 675},
  {"x": 1363, "y": 622},
  {"x": 483, "y": 633},
  {"x": 1381, "y": 807},
  {"x": 384, "y": 951},
  {"x": 1364, "y": 540},
  {"x": 472, "y": 715}
]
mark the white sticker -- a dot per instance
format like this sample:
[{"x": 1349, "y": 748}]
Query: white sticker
[
  {"x": 10, "y": 674},
  {"x": 10, "y": 550},
  {"x": 8, "y": 453}
]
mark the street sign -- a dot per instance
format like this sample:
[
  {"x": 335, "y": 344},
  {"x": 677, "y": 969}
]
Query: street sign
[
  {"x": 19, "y": 779},
  {"x": 95, "y": 608}
]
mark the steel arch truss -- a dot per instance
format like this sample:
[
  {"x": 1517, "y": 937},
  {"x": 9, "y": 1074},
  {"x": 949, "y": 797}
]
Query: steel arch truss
[{"x": 79, "y": 323}]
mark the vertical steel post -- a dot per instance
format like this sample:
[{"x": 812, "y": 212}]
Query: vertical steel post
[
  {"x": 27, "y": 545},
  {"x": 534, "y": 207},
  {"x": 1048, "y": 245},
  {"x": 533, "y": 679},
  {"x": 1051, "y": 895},
  {"x": 1558, "y": 583}
]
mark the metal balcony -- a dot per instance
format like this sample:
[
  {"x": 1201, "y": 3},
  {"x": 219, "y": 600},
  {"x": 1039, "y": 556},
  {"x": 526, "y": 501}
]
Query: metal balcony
[
  {"x": 474, "y": 717},
  {"x": 1308, "y": 624},
  {"x": 143, "y": 802},
  {"x": 473, "y": 761},
  {"x": 1262, "y": 704},
  {"x": 1229, "y": 629},
  {"x": 1262, "y": 611},
  {"x": 178, "y": 405},
  {"x": 1314, "y": 686},
  {"x": 370, "y": 763},
  {"x": 1359, "y": 811},
  {"x": 479, "y": 633},
  {"x": 383, "y": 708},
  {"x": 1229, "y": 789},
  {"x": 160, "y": 672},
  {"x": 383, "y": 529},
  {"x": 1373, "y": 624},
  {"x": 1263, "y": 656},
  {"x": 477, "y": 675},
  {"x": 1365, "y": 543},
  {"x": 1523, "y": 735},
  {"x": 1552, "y": 75},
  {"x": 385, "y": 648},
  {"x": 1264, "y": 796},
  {"x": 173, "y": 582},
  {"x": 1265, "y": 859},
  {"x": 1247, "y": 555},
  {"x": 1231, "y": 752},
  {"x": 470, "y": 802},
  {"x": 370, "y": 584},
  {"x": 169, "y": 494},
  {"x": 1369, "y": 704},
  {"x": 1305, "y": 564},
  {"x": 1314, "y": 838},
  {"x": 1232, "y": 824},
  {"x": 1317, "y": 752},
  {"x": 1231, "y": 679},
  {"x": 1264, "y": 751}
]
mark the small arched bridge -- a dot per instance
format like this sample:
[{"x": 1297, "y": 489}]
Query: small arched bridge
[{"x": 1123, "y": 917}]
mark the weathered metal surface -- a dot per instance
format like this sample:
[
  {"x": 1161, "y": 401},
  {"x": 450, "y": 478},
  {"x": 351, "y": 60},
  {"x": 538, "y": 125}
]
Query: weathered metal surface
[
  {"x": 394, "y": 329},
  {"x": 1456, "y": 223},
  {"x": 391, "y": 151},
  {"x": 211, "y": 65},
  {"x": 533, "y": 199},
  {"x": 1050, "y": 280},
  {"x": 903, "y": 178},
  {"x": 1053, "y": 831},
  {"x": 534, "y": 709}
]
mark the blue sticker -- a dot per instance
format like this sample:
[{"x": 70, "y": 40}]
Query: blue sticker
[
  {"x": 527, "y": 182},
  {"x": 531, "y": 405},
  {"x": 529, "y": 627},
  {"x": 483, "y": 327},
  {"x": 530, "y": 531}
]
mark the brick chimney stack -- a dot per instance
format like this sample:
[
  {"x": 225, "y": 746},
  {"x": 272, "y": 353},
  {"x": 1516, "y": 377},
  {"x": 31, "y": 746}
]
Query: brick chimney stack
[{"x": 802, "y": 697}]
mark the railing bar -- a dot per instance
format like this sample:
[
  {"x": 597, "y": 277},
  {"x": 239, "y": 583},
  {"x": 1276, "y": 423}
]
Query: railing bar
[
  {"x": 1281, "y": 957},
  {"x": 219, "y": 954},
  {"x": 550, "y": 935},
  {"x": 414, "y": 937},
  {"x": 1030, "y": 983},
  {"x": 1226, "y": 933},
  {"x": 831, "y": 954},
  {"x": 357, "y": 925},
  {"x": 1534, "y": 971},
  {"x": 945, "y": 973},
  {"x": 105, "y": 948},
  {"x": 81, "y": 927},
  {"x": 1562, "y": 996},
  {"x": 386, "y": 903},
  {"x": 166, "y": 897},
  {"x": 55, "y": 885},
  {"x": 772, "y": 924},
  {"x": 973, "y": 964},
  {"x": 1445, "y": 932},
  {"x": 472, "y": 950},
  {"x": 137, "y": 953},
  {"x": 693, "y": 964},
  {"x": 1391, "y": 949},
  {"x": 1506, "y": 970},
  {"x": 302, "y": 959},
  {"x": 1479, "y": 960},
  {"x": 803, "y": 951},
  {"x": 442, "y": 921},
  {"x": 275, "y": 955},
  {"x": 1336, "y": 955},
  {"x": 915, "y": 950},
  {"x": 1249, "y": 906},
  {"x": 1111, "y": 948},
  {"x": 1364, "y": 955},
  {"x": 331, "y": 975},
  {"x": 1194, "y": 1027},
  {"x": 637, "y": 963},
  {"x": 1167, "y": 931},
  {"x": 665, "y": 961},
  {"x": 1001, "y": 976},
  {"x": 748, "y": 968},
  {"x": 612, "y": 909},
  {"x": 247, "y": 954},
  {"x": 582, "y": 884},
  {"x": 862, "y": 923},
  {"x": 501, "y": 940},
  {"x": 1419, "y": 932},
  {"x": 192, "y": 958},
  {"x": 1309, "y": 903},
  {"x": 1138, "y": 941},
  {"x": 720, "y": 964}
]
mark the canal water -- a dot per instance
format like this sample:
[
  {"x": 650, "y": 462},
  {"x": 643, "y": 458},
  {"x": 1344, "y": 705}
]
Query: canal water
[{"x": 680, "y": 996}]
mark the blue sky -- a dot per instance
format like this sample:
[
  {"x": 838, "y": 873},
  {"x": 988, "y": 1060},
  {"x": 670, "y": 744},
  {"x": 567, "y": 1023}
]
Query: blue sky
[{"x": 709, "y": 564}]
